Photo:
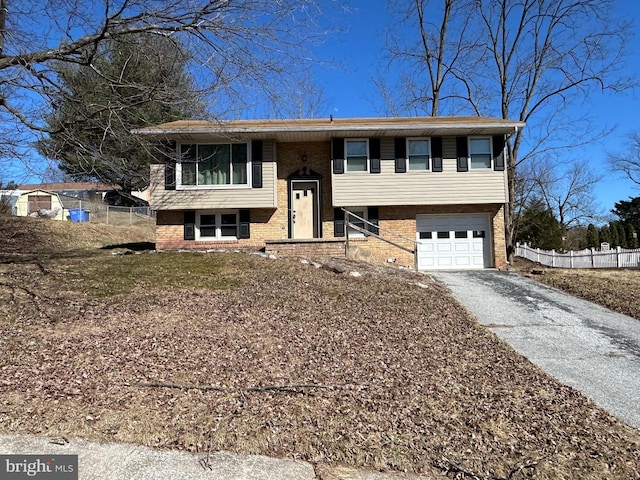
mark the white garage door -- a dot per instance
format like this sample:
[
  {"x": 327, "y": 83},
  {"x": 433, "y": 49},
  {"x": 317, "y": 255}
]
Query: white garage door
[{"x": 453, "y": 241}]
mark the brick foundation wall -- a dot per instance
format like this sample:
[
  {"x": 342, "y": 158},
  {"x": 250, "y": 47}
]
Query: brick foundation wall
[
  {"x": 307, "y": 249},
  {"x": 170, "y": 236}
]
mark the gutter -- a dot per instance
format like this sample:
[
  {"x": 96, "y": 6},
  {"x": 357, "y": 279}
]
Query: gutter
[{"x": 320, "y": 129}]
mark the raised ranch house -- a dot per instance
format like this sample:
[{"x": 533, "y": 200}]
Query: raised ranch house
[{"x": 436, "y": 187}]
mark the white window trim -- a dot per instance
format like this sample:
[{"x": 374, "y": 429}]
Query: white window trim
[
  {"x": 346, "y": 162},
  {"x": 471, "y": 167},
  {"x": 179, "y": 185},
  {"x": 365, "y": 215},
  {"x": 430, "y": 161},
  {"x": 217, "y": 213}
]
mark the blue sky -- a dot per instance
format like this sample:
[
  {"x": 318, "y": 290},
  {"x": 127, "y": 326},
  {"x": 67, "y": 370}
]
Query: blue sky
[
  {"x": 353, "y": 57},
  {"x": 359, "y": 52}
]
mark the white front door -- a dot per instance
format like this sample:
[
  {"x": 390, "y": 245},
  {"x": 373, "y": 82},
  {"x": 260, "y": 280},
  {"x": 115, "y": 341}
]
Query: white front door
[
  {"x": 453, "y": 241},
  {"x": 304, "y": 210}
]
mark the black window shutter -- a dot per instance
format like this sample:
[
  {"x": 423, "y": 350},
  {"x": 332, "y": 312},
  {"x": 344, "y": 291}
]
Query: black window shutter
[
  {"x": 373, "y": 218},
  {"x": 256, "y": 163},
  {"x": 190, "y": 225},
  {"x": 436, "y": 154},
  {"x": 374, "y": 155},
  {"x": 244, "y": 224},
  {"x": 256, "y": 150},
  {"x": 400, "y": 144},
  {"x": 498, "y": 152},
  {"x": 256, "y": 174},
  {"x": 338, "y": 222},
  {"x": 170, "y": 174},
  {"x": 170, "y": 166},
  {"x": 462, "y": 154},
  {"x": 338, "y": 155}
]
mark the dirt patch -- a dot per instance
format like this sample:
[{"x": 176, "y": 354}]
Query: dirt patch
[
  {"x": 249, "y": 354},
  {"x": 616, "y": 289}
]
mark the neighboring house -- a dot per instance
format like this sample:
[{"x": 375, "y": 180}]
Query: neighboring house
[
  {"x": 440, "y": 182},
  {"x": 88, "y": 191},
  {"x": 93, "y": 192},
  {"x": 40, "y": 203}
]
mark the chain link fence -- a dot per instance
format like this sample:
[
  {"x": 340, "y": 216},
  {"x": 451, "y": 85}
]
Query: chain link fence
[{"x": 77, "y": 210}]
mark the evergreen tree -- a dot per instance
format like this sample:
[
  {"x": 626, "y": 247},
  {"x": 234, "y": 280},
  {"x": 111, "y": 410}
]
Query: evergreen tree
[
  {"x": 539, "y": 227},
  {"x": 632, "y": 240},
  {"x": 622, "y": 236},
  {"x": 12, "y": 185},
  {"x": 613, "y": 235},
  {"x": 592, "y": 236},
  {"x": 136, "y": 80},
  {"x": 605, "y": 235},
  {"x": 628, "y": 212}
]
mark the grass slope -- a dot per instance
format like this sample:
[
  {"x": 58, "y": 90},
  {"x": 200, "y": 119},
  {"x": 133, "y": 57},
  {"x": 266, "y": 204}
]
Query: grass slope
[{"x": 244, "y": 353}]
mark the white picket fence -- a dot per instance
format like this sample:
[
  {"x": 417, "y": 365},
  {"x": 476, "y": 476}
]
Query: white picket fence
[{"x": 588, "y": 258}]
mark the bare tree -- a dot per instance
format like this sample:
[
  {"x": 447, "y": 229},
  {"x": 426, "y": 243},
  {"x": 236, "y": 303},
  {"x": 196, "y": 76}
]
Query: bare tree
[
  {"x": 568, "y": 191},
  {"x": 545, "y": 56},
  {"x": 235, "y": 46},
  {"x": 299, "y": 96},
  {"x": 629, "y": 162},
  {"x": 432, "y": 58},
  {"x": 538, "y": 58}
]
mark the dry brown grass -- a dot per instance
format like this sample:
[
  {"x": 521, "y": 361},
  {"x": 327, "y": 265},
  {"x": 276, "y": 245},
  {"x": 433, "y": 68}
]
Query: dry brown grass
[
  {"x": 617, "y": 289},
  {"x": 24, "y": 236},
  {"x": 373, "y": 371}
]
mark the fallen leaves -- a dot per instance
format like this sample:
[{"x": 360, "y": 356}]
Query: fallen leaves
[{"x": 375, "y": 371}]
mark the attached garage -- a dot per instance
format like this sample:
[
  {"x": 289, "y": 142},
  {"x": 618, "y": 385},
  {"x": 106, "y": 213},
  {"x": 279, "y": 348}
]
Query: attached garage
[{"x": 454, "y": 241}]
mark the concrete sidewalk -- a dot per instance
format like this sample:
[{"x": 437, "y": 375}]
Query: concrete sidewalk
[{"x": 117, "y": 461}]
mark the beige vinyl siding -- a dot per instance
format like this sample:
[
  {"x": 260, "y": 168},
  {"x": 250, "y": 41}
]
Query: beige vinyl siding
[
  {"x": 419, "y": 188},
  {"x": 208, "y": 198}
]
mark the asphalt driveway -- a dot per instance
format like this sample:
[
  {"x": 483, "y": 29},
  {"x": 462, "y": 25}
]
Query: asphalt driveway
[{"x": 584, "y": 345}]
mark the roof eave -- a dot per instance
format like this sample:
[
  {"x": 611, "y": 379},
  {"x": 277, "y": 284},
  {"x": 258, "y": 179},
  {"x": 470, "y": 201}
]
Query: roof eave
[{"x": 165, "y": 132}]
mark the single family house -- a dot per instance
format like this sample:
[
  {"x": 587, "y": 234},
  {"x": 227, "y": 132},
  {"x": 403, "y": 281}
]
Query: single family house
[{"x": 428, "y": 192}]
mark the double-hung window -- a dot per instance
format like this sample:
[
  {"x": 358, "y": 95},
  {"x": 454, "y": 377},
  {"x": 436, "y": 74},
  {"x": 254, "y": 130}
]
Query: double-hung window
[
  {"x": 418, "y": 154},
  {"x": 214, "y": 164},
  {"x": 480, "y": 152},
  {"x": 359, "y": 222},
  {"x": 220, "y": 225},
  {"x": 357, "y": 155}
]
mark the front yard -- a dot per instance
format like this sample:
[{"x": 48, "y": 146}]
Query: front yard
[{"x": 245, "y": 353}]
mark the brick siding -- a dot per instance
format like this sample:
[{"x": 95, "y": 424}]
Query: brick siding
[{"x": 273, "y": 224}]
